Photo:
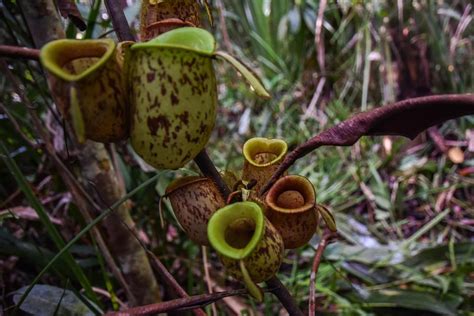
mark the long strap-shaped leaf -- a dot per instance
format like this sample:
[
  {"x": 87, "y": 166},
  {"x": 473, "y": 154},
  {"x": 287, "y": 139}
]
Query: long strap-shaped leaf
[{"x": 406, "y": 118}]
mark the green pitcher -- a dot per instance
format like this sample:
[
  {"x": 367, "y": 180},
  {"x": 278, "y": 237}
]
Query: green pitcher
[
  {"x": 174, "y": 95},
  {"x": 250, "y": 248},
  {"x": 88, "y": 86},
  {"x": 262, "y": 157}
]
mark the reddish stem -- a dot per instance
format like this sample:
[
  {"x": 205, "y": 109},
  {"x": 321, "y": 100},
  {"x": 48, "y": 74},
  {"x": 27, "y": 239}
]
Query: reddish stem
[
  {"x": 19, "y": 52},
  {"x": 316, "y": 262}
]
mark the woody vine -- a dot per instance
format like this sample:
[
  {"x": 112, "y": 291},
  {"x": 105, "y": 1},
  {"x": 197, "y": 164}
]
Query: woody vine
[{"x": 161, "y": 94}]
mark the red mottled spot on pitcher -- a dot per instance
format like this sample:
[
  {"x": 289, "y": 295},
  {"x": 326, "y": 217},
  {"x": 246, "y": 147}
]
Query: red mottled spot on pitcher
[
  {"x": 150, "y": 77},
  {"x": 159, "y": 122}
]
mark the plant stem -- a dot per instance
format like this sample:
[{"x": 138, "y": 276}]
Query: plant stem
[
  {"x": 119, "y": 21},
  {"x": 328, "y": 235},
  {"x": 170, "y": 281},
  {"x": 178, "y": 304},
  {"x": 19, "y": 52}
]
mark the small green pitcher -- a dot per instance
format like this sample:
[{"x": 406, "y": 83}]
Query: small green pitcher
[
  {"x": 262, "y": 157},
  {"x": 249, "y": 247},
  {"x": 88, "y": 87},
  {"x": 174, "y": 95}
]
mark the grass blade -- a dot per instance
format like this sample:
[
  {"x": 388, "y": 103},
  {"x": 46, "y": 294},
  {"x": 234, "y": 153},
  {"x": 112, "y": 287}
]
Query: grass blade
[{"x": 438, "y": 218}]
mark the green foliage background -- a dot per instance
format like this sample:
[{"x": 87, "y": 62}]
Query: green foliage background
[{"x": 404, "y": 209}]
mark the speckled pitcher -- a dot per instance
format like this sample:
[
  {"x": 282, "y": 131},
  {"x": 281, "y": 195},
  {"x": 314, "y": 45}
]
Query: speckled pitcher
[
  {"x": 174, "y": 95},
  {"x": 194, "y": 200},
  {"x": 262, "y": 158},
  {"x": 88, "y": 87},
  {"x": 291, "y": 207},
  {"x": 249, "y": 247}
]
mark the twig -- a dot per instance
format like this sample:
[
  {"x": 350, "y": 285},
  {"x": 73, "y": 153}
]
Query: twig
[
  {"x": 223, "y": 26},
  {"x": 207, "y": 277},
  {"x": 170, "y": 281},
  {"x": 281, "y": 292},
  {"x": 438, "y": 139},
  {"x": 19, "y": 52},
  {"x": 178, "y": 304},
  {"x": 119, "y": 21},
  {"x": 405, "y": 118},
  {"x": 318, "y": 40},
  {"x": 328, "y": 235}
]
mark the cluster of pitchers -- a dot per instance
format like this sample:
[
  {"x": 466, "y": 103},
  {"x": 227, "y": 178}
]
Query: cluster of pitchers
[
  {"x": 162, "y": 94},
  {"x": 250, "y": 236}
]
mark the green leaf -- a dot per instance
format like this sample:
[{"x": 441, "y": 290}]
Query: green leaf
[
  {"x": 327, "y": 216},
  {"x": 373, "y": 255},
  {"x": 248, "y": 75},
  {"x": 415, "y": 300},
  {"x": 463, "y": 253},
  {"x": 44, "y": 300}
]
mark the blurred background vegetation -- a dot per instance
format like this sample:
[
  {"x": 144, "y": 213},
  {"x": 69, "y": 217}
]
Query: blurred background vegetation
[{"x": 404, "y": 209}]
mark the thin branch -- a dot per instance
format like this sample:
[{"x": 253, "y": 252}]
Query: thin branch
[
  {"x": 405, "y": 118},
  {"x": 207, "y": 277},
  {"x": 328, "y": 235},
  {"x": 19, "y": 52},
  {"x": 223, "y": 26},
  {"x": 178, "y": 304},
  {"x": 170, "y": 281},
  {"x": 318, "y": 39},
  {"x": 119, "y": 21}
]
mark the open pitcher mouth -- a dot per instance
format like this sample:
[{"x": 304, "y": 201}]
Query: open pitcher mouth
[
  {"x": 291, "y": 194},
  {"x": 73, "y": 60},
  {"x": 189, "y": 38},
  {"x": 235, "y": 230},
  {"x": 263, "y": 152}
]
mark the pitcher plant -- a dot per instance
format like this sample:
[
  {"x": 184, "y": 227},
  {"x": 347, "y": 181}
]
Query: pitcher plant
[
  {"x": 160, "y": 16},
  {"x": 174, "y": 95},
  {"x": 249, "y": 247},
  {"x": 291, "y": 207},
  {"x": 89, "y": 89},
  {"x": 194, "y": 200},
  {"x": 262, "y": 158}
]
